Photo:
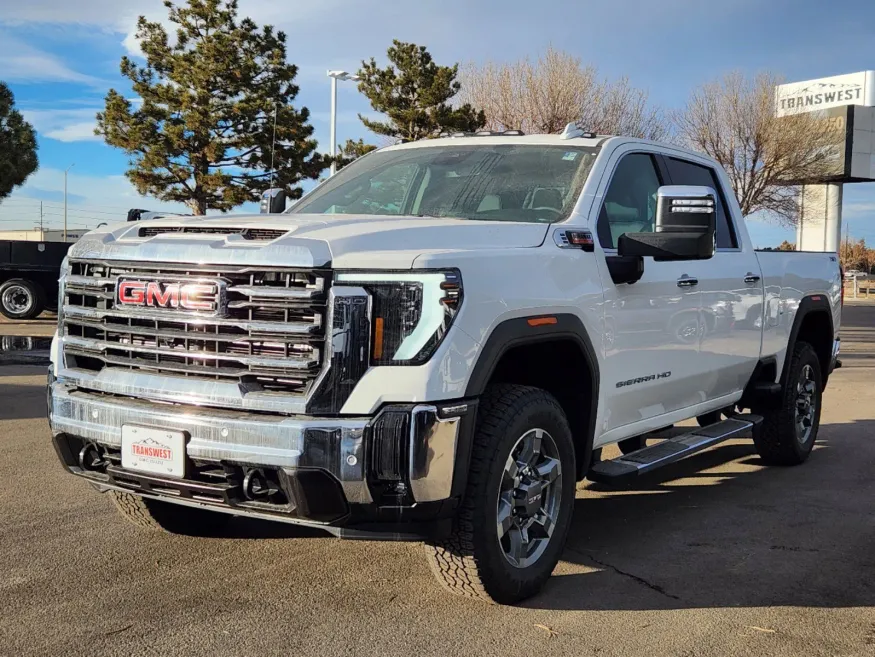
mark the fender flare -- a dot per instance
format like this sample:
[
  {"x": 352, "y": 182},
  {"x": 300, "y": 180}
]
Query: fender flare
[
  {"x": 518, "y": 332},
  {"x": 810, "y": 304}
]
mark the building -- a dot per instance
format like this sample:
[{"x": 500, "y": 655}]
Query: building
[{"x": 37, "y": 235}]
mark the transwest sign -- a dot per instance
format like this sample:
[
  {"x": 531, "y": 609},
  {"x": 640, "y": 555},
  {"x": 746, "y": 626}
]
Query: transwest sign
[
  {"x": 846, "y": 103},
  {"x": 825, "y": 93}
]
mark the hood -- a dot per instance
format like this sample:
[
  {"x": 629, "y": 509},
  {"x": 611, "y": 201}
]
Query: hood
[{"x": 301, "y": 240}]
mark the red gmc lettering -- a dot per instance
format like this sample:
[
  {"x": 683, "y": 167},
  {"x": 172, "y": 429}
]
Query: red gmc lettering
[
  {"x": 168, "y": 298},
  {"x": 191, "y": 296},
  {"x": 131, "y": 292}
]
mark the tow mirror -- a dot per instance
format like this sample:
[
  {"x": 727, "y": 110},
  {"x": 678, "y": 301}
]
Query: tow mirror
[
  {"x": 686, "y": 222},
  {"x": 273, "y": 201}
]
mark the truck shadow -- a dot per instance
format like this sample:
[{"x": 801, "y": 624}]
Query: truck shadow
[
  {"x": 22, "y": 402},
  {"x": 687, "y": 537}
]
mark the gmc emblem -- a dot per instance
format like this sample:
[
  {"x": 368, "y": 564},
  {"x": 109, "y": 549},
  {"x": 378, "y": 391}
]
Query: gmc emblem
[{"x": 196, "y": 296}]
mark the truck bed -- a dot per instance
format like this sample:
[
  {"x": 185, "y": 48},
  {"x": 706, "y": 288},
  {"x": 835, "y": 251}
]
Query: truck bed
[{"x": 788, "y": 276}]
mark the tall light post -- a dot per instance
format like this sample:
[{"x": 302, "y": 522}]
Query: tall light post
[
  {"x": 335, "y": 76},
  {"x": 65, "y": 199}
]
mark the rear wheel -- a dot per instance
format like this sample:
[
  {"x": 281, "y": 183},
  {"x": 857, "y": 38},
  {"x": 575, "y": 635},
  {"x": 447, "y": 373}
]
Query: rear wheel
[
  {"x": 21, "y": 299},
  {"x": 789, "y": 432},
  {"x": 517, "y": 509},
  {"x": 171, "y": 518}
]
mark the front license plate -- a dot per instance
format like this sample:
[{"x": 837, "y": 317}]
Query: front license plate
[{"x": 158, "y": 451}]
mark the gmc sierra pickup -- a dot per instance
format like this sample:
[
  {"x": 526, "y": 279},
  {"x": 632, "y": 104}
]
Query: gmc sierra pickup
[{"x": 435, "y": 344}]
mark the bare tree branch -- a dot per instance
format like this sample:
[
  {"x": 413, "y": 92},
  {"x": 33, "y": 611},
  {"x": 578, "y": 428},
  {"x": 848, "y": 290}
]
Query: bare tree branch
[
  {"x": 767, "y": 158},
  {"x": 557, "y": 89}
]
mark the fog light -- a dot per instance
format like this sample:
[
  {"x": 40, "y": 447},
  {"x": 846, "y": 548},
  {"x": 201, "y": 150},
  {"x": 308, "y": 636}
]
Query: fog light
[{"x": 388, "y": 446}]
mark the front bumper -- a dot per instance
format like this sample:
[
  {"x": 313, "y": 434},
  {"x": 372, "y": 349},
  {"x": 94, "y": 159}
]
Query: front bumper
[{"x": 396, "y": 472}]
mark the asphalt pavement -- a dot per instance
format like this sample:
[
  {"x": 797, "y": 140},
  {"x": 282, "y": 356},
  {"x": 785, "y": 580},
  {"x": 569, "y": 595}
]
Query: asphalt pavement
[{"x": 716, "y": 555}]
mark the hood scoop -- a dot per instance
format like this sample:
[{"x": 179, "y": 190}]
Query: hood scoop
[{"x": 260, "y": 234}]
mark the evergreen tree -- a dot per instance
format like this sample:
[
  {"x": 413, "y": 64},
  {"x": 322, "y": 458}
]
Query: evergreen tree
[
  {"x": 414, "y": 93},
  {"x": 352, "y": 150},
  {"x": 204, "y": 133},
  {"x": 17, "y": 145}
]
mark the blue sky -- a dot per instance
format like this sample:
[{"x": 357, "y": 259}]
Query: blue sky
[{"x": 60, "y": 57}]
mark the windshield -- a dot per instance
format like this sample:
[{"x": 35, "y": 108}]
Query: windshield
[{"x": 501, "y": 182}]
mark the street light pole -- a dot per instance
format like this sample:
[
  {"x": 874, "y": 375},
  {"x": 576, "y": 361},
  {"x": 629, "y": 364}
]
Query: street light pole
[
  {"x": 65, "y": 199},
  {"x": 333, "y": 149},
  {"x": 335, "y": 76}
]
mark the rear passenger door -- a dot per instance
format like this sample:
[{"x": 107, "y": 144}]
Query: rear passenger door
[
  {"x": 731, "y": 292},
  {"x": 651, "y": 327}
]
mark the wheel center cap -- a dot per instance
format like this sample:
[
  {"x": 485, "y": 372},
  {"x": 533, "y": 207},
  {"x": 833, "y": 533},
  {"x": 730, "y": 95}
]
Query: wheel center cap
[{"x": 528, "y": 498}]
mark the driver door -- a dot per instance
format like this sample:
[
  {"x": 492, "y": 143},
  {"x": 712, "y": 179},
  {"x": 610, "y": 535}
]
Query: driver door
[{"x": 651, "y": 327}]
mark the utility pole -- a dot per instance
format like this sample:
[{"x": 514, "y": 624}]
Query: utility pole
[
  {"x": 65, "y": 199},
  {"x": 41, "y": 230}
]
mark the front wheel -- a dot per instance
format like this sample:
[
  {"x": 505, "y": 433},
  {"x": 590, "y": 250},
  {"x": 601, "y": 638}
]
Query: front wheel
[
  {"x": 514, "y": 519},
  {"x": 21, "y": 299},
  {"x": 788, "y": 433},
  {"x": 157, "y": 515}
]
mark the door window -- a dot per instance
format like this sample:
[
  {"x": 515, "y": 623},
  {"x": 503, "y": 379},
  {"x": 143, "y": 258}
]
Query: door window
[
  {"x": 683, "y": 172},
  {"x": 630, "y": 202}
]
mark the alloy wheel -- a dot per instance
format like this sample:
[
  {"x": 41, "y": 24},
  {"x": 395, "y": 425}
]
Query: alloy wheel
[
  {"x": 529, "y": 497},
  {"x": 806, "y": 404}
]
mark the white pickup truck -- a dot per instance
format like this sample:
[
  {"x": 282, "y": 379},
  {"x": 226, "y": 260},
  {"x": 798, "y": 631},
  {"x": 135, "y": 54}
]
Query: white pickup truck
[{"x": 435, "y": 344}]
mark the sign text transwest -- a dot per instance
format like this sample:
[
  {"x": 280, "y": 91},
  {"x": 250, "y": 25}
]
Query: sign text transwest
[{"x": 825, "y": 93}]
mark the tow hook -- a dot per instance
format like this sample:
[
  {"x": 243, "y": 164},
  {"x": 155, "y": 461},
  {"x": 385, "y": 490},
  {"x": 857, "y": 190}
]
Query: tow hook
[
  {"x": 256, "y": 486},
  {"x": 91, "y": 457}
]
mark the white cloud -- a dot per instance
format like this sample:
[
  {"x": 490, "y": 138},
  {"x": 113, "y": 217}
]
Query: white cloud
[
  {"x": 67, "y": 125},
  {"x": 92, "y": 12},
  {"x": 23, "y": 63},
  {"x": 859, "y": 209},
  {"x": 91, "y": 200}
]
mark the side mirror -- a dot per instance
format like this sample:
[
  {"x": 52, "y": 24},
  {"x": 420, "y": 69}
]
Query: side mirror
[
  {"x": 273, "y": 201},
  {"x": 686, "y": 224}
]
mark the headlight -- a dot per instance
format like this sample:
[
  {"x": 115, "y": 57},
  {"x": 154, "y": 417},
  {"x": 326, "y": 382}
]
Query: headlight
[{"x": 411, "y": 312}]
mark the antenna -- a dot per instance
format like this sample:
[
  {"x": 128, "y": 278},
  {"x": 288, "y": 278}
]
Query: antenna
[{"x": 273, "y": 144}]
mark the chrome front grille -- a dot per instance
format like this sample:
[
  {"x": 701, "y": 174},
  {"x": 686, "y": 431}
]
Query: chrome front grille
[{"x": 269, "y": 338}]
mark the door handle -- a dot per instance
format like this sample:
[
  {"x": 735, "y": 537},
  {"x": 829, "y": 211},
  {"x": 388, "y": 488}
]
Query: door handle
[
  {"x": 750, "y": 279},
  {"x": 687, "y": 281}
]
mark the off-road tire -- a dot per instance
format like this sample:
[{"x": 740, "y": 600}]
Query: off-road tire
[
  {"x": 470, "y": 562},
  {"x": 776, "y": 442},
  {"x": 167, "y": 517},
  {"x": 37, "y": 299}
]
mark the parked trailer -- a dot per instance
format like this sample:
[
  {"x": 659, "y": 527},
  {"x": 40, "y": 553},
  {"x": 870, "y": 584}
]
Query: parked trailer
[{"x": 29, "y": 273}]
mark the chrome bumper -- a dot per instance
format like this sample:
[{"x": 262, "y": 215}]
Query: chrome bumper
[{"x": 335, "y": 445}]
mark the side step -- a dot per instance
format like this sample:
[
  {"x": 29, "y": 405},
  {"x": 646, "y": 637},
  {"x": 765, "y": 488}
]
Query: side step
[{"x": 629, "y": 467}]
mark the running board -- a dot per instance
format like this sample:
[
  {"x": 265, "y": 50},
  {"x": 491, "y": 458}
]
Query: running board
[{"x": 631, "y": 466}]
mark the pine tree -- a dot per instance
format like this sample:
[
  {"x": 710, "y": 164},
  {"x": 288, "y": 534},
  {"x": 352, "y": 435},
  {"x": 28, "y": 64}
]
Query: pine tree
[
  {"x": 414, "y": 93},
  {"x": 352, "y": 150},
  {"x": 203, "y": 134},
  {"x": 18, "y": 146}
]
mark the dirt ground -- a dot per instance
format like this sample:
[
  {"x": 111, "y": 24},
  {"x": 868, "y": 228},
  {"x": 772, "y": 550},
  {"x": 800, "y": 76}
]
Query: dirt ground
[{"x": 716, "y": 555}]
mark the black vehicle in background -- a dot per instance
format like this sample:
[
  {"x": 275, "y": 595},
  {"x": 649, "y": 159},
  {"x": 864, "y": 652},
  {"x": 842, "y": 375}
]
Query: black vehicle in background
[{"x": 29, "y": 273}]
